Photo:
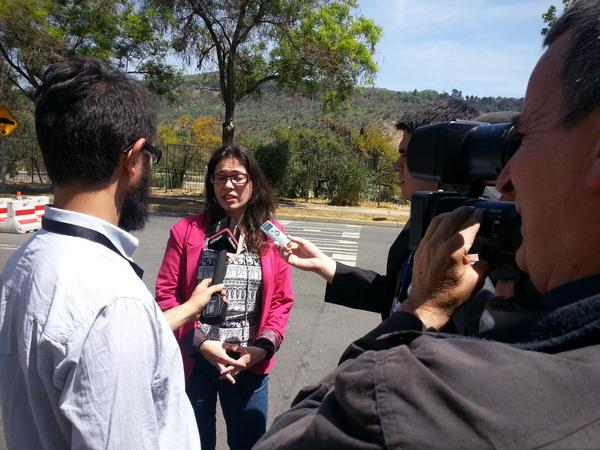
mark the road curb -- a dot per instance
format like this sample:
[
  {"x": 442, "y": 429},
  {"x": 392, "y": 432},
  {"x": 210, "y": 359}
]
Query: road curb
[
  {"x": 344, "y": 220},
  {"x": 189, "y": 205},
  {"x": 290, "y": 214}
]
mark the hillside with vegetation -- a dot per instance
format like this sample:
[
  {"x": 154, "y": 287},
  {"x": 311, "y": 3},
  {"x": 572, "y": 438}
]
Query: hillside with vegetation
[
  {"x": 260, "y": 115},
  {"x": 343, "y": 156}
]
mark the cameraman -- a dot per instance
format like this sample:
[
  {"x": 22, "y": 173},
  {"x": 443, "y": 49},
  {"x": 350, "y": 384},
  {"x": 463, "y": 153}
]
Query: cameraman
[{"x": 537, "y": 386}]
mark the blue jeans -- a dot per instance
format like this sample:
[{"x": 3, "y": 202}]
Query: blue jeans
[{"x": 244, "y": 404}]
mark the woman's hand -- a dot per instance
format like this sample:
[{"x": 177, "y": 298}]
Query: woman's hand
[
  {"x": 192, "y": 308},
  {"x": 304, "y": 255},
  {"x": 216, "y": 353},
  {"x": 249, "y": 356}
]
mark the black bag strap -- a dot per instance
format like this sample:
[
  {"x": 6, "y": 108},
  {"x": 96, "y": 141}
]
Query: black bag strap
[{"x": 68, "y": 229}]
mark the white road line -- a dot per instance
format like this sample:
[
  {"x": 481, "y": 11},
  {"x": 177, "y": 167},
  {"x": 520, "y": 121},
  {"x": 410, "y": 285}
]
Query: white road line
[
  {"x": 335, "y": 242},
  {"x": 344, "y": 257},
  {"x": 326, "y": 249},
  {"x": 349, "y": 260},
  {"x": 329, "y": 231},
  {"x": 340, "y": 241}
]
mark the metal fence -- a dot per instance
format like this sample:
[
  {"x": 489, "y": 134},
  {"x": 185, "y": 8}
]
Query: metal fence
[
  {"x": 182, "y": 168},
  {"x": 366, "y": 180}
]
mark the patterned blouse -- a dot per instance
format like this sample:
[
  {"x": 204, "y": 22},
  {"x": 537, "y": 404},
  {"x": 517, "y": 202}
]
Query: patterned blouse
[{"x": 243, "y": 281}]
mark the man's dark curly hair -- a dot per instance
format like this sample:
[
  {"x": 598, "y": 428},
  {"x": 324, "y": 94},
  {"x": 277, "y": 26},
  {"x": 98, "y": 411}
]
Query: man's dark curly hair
[
  {"x": 438, "y": 111},
  {"x": 86, "y": 113}
]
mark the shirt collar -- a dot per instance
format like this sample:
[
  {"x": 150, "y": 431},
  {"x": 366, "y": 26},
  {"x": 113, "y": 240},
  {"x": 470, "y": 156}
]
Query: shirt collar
[
  {"x": 570, "y": 292},
  {"x": 122, "y": 240}
]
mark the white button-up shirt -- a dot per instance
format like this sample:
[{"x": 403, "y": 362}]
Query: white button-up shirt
[{"x": 87, "y": 359}]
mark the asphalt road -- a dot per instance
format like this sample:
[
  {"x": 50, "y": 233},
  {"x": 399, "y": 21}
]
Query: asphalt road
[{"x": 317, "y": 332}]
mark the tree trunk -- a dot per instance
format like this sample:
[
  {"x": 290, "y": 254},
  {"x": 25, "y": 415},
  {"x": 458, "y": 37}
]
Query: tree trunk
[
  {"x": 228, "y": 123},
  {"x": 228, "y": 131}
]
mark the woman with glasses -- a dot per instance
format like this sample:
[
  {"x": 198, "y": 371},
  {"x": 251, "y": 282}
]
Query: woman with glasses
[{"x": 231, "y": 359}]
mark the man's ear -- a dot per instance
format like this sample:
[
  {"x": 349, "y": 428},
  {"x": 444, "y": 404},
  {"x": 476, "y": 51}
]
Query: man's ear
[
  {"x": 592, "y": 179},
  {"x": 130, "y": 159}
]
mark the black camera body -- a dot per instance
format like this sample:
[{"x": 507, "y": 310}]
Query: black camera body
[
  {"x": 469, "y": 156},
  {"x": 498, "y": 238}
]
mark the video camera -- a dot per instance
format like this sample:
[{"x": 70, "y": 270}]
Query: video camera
[{"x": 468, "y": 156}]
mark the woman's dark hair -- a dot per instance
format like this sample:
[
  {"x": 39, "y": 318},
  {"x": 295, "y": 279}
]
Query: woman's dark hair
[{"x": 261, "y": 205}]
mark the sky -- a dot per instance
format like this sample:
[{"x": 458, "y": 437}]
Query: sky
[{"x": 481, "y": 47}]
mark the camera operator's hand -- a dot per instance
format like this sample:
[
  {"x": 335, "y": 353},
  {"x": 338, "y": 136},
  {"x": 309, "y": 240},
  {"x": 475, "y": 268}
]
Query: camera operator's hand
[
  {"x": 444, "y": 276},
  {"x": 191, "y": 309},
  {"x": 304, "y": 255}
]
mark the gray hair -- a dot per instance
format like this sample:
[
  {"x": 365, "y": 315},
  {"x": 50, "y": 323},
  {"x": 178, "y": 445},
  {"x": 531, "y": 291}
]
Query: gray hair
[{"x": 580, "y": 71}]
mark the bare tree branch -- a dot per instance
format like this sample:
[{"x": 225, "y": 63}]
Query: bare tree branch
[
  {"x": 256, "y": 85},
  {"x": 20, "y": 71}
]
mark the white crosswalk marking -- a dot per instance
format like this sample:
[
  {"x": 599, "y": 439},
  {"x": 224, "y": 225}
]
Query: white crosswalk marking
[
  {"x": 340, "y": 241},
  {"x": 8, "y": 247}
]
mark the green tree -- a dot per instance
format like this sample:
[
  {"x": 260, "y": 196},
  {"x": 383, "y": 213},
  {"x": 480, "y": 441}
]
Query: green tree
[
  {"x": 549, "y": 17},
  {"x": 306, "y": 163},
  {"x": 379, "y": 155},
  {"x": 20, "y": 150},
  {"x": 304, "y": 45},
  {"x": 349, "y": 181},
  {"x": 312, "y": 158},
  {"x": 273, "y": 158},
  {"x": 35, "y": 33}
]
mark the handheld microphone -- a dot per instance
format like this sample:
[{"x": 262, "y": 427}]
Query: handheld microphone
[
  {"x": 274, "y": 233},
  {"x": 225, "y": 239}
]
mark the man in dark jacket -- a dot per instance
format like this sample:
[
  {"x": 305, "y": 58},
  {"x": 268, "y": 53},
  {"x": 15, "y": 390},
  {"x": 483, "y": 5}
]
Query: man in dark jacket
[
  {"x": 366, "y": 289},
  {"x": 531, "y": 385}
]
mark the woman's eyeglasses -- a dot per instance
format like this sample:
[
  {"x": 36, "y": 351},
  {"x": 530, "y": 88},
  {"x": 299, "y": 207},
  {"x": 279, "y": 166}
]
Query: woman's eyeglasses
[{"x": 236, "y": 178}]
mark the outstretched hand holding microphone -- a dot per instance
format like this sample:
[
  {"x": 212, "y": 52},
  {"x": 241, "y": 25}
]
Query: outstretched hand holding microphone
[
  {"x": 304, "y": 255},
  {"x": 300, "y": 253}
]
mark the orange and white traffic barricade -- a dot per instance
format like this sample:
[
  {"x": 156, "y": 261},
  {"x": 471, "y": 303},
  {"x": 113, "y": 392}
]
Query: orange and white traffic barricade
[
  {"x": 40, "y": 202},
  {"x": 3, "y": 210},
  {"x": 21, "y": 217}
]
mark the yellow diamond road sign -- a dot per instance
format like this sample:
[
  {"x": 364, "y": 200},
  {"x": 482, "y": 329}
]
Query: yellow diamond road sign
[{"x": 7, "y": 122}]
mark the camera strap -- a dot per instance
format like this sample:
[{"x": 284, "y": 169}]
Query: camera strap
[
  {"x": 405, "y": 277},
  {"x": 403, "y": 283},
  {"x": 69, "y": 229}
]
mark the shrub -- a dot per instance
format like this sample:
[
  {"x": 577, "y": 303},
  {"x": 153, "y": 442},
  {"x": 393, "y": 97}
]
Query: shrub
[
  {"x": 350, "y": 180},
  {"x": 273, "y": 159}
]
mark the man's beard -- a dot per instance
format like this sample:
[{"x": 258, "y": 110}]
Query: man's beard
[{"x": 134, "y": 213}]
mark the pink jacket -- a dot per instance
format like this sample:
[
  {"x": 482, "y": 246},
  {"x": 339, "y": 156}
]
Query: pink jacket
[{"x": 177, "y": 279}]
